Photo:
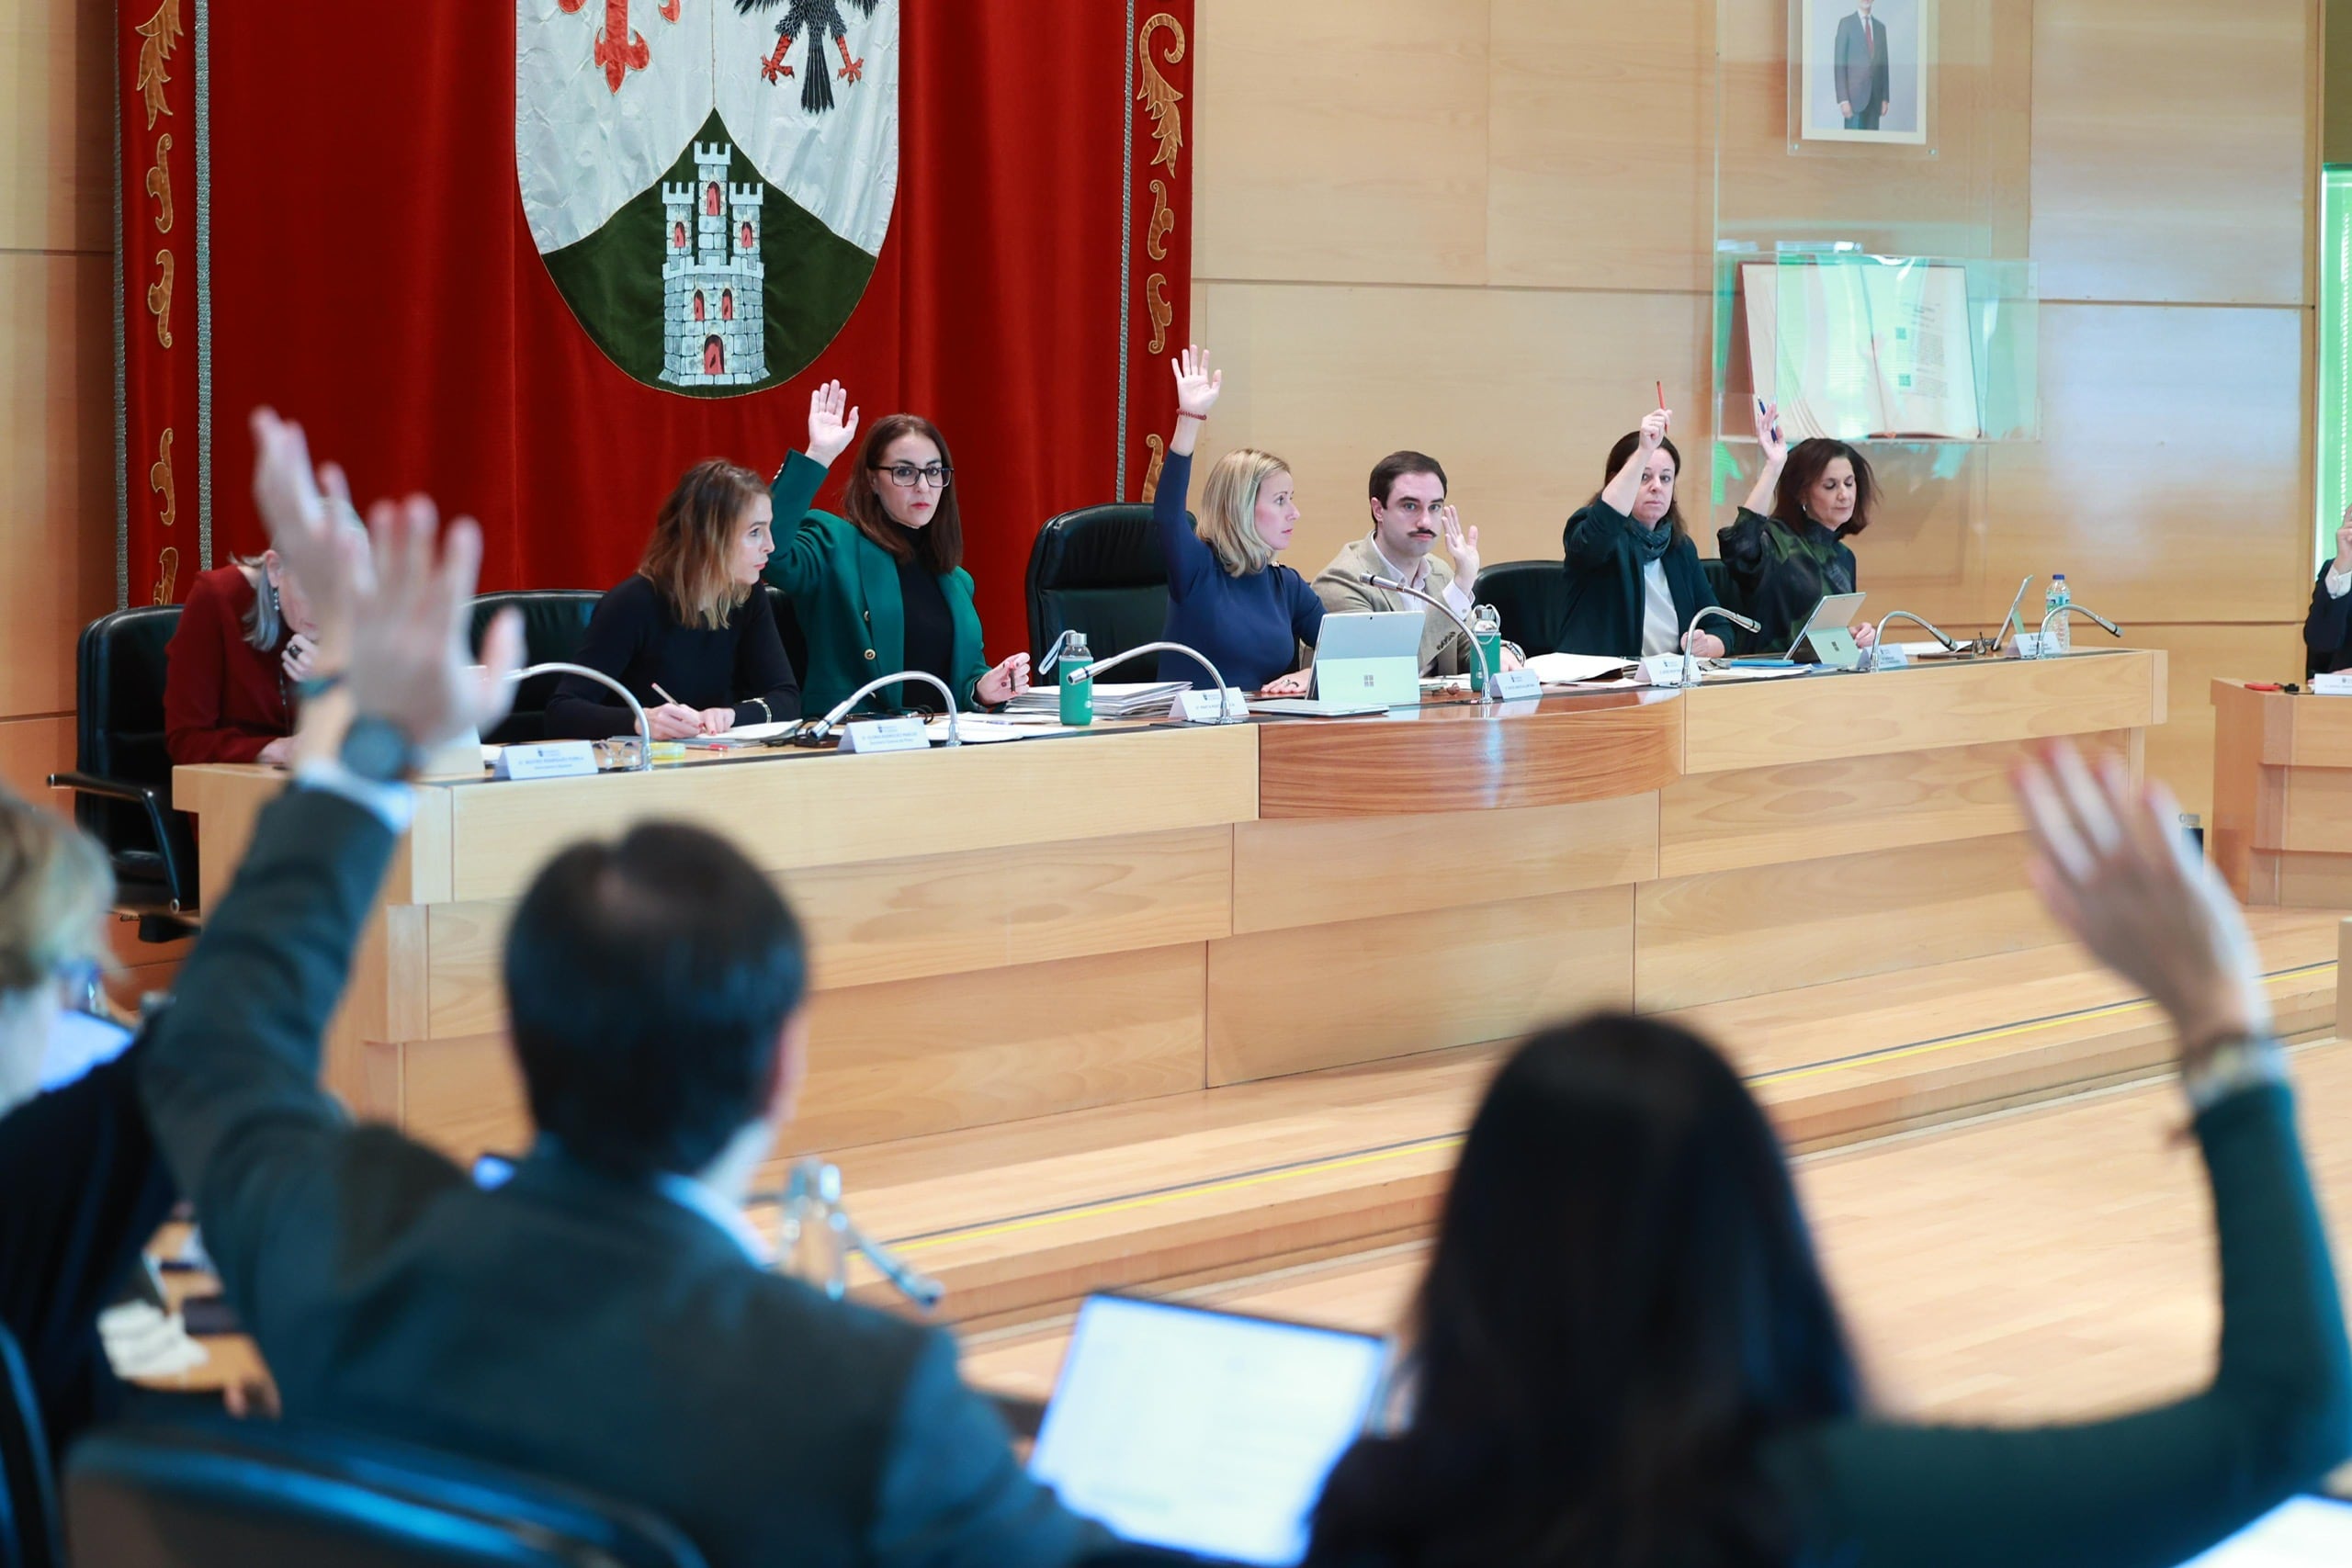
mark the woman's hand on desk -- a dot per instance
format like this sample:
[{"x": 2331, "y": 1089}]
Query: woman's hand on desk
[
  {"x": 675, "y": 721},
  {"x": 2117, "y": 871},
  {"x": 1865, "y": 634},
  {"x": 830, "y": 433},
  {"x": 1294, "y": 684},
  {"x": 1703, "y": 645},
  {"x": 1004, "y": 682}
]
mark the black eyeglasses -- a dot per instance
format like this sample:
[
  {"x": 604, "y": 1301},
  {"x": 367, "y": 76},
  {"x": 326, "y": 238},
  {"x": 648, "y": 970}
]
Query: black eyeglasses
[{"x": 905, "y": 475}]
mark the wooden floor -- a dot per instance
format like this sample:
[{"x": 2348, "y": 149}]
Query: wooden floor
[
  {"x": 2057, "y": 1261},
  {"x": 1022, "y": 1219}
]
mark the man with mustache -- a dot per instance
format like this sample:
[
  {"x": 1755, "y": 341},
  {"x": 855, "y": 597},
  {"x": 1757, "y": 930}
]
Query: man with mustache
[{"x": 1409, "y": 520}]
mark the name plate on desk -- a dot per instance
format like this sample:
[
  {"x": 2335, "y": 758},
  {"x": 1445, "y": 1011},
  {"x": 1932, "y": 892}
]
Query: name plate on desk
[
  {"x": 547, "y": 760},
  {"x": 1890, "y": 656},
  {"x": 1517, "y": 685},
  {"x": 904, "y": 733},
  {"x": 1204, "y": 707},
  {"x": 1662, "y": 669}
]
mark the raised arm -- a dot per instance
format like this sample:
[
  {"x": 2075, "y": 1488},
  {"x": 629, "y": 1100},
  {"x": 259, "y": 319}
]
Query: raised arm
[
  {"x": 1624, "y": 487},
  {"x": 799, "y": 562},
  {"x": 2329, "y": 624},
  {"x": 1197, "y": 386},
  {"x": 1765, "y": 491},
  {"x": 230, "y": 1074},
  {"x": 2154, "y": 1488}
]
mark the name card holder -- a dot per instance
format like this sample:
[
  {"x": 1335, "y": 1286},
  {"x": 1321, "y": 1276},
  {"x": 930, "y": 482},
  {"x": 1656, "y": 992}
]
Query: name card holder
[
  {"x": 1203, "y": 707},
  {"x": 547, "y": 760},
  {"x": 903, "y": 733},
  {"x": 1890, "y": 656},
  {"x": 1662, "y": 669},
  {"x": 1517, "y": 685},
  {"x": 2028, "y": 645}
]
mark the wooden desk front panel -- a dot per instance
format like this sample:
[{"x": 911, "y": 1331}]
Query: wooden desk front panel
[
  {"x": 2282, "y": 796},
  {"x": 1928, "y": 707}
]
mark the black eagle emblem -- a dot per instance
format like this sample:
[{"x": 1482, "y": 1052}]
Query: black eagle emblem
[{"x": 814, "y": 19}]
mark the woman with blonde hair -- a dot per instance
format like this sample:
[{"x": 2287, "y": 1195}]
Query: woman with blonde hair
[
  {"x": 690, "y": 633},
  {"x": 1227, "y": 595},
  {"x": 81, "y": 1184}
]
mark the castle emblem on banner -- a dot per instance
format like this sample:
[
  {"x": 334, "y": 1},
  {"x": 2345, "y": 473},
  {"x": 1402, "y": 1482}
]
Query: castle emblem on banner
[
  {"x": 714, "y": 285},
  {"x": 708, "y": 182}
]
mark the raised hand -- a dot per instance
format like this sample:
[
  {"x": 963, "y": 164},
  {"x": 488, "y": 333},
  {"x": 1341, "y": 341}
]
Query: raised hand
[
  {"x": 829, "y": 434},
  {"x": 1197, "y": 386},
  {"x": 1655, "y": 424},
  {"x": 1767, "y": 433},
  {"x": 2115, "y": 869},
  {"x": 2343, "y": 543},
  {"x": 306, "y": 509},
  {"x": 1461, "y": 546},
  {"x": 408, "y": 663}
]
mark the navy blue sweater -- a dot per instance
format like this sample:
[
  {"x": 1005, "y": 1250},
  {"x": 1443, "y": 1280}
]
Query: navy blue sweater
[{"x": 1249, "y": 628}]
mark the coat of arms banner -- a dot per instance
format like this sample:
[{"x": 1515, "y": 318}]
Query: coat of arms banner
[{"x": 538, "y": 256}]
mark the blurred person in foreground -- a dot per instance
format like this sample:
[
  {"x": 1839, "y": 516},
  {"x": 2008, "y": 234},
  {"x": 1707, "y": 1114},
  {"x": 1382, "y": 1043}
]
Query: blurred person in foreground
[
  {"x": 1626, "y": 1355},
  {"x": 605, "y": 1318}
]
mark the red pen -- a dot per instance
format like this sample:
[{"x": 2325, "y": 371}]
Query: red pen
[
  {"x": 2262, "y": 685},
  {"x": 1661, "y": 397}
]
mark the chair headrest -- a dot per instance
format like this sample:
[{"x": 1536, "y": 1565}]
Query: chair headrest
[{"x": 1097, "y": 546}]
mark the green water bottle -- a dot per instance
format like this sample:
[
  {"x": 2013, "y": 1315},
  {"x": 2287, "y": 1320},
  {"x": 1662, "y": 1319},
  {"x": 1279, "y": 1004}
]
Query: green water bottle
[
  {"x": 1076, "y": 689},
  {"x": 1486, "y": 625}
]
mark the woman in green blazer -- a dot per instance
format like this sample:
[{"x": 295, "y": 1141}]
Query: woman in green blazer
[{"x": 884, "y": 588}]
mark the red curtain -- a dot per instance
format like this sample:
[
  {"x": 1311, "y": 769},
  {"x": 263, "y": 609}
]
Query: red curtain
[{"x": 372, "y": 276}]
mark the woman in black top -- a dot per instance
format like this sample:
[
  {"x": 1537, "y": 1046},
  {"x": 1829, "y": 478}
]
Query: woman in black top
[
  {"x": 1635, "y": 580},
  {"x": 693, "y": 621},
  {"x": 1819, "y": 495},
  {"x": 1626, "y": 1355}
]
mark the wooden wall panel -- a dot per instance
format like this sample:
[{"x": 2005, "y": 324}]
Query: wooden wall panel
[
  {"x": 56, "y": 133},
  {"x": 2172, "y": 149},
  {"x": 1599, "y": 146},
  {"x": 1520, "y": 393},
  {"x": 31, "y": 749},
  {"x": 2180, "y": 750},
  {"x": 56, "y": 455},
  {"x": 2171, "y": 479},
  {"x": 1341, "y": 140}
]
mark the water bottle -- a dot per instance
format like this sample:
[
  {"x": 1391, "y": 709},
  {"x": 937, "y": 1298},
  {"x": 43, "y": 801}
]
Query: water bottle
[
  {"x": 1077, "y": 690},
  {"x": 1486, "y": 625},
  {"x": 2060, "y": 639}
]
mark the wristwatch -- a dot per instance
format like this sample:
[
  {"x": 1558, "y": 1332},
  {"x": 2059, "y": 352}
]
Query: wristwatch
[{"x": 380, "y": 752}]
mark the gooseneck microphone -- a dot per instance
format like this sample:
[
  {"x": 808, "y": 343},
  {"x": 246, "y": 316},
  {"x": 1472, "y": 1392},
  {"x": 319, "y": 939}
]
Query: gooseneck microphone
[
  {"x": 1216, "y": 682},
  {"x": 1690, "y": 660},
  {"x": 1485, "y": 663},
  {"x": 644, "y": 763},
  {"x": 1878, "y": 636},
  {"x": 824, "y": 726}
]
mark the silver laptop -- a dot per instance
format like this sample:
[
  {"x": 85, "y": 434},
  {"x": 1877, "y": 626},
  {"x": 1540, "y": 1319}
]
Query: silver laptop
[
  {"x": 1364, "y": 662},
  {"x": 1206, "y": 1432},
  {"x": 1834, "y": 612}
]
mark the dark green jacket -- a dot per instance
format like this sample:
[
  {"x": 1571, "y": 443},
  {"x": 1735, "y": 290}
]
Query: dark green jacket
[
  {"x": 1604, "y": 604},
  {"x": 844, "y": 591},
  {"x": 1783, "y": 573}
]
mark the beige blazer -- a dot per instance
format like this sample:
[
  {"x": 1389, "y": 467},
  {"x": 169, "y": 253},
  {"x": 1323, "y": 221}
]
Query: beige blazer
[{"x": 1345, "y": 587}]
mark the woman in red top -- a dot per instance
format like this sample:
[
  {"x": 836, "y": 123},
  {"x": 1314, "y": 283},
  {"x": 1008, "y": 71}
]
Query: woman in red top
[{"x": 244, "y": 642}]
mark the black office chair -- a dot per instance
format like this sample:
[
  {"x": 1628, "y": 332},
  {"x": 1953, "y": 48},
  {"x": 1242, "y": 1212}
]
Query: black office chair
[
  {"x": 218, "y": 1494},
  {"x": 555, "y": 620},
  {"x": 1098, "y": 569},
  {"x": 122, "y": 774},
  {"x": 27, "y": 1498},
  {"x": 1531, "y": 598},
  {"x": 1726, "y": 586}
]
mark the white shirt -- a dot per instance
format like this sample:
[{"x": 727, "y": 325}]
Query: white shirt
[
  {"x": 2338, "y": 583},
  {"x": 1660, "y": 632}
]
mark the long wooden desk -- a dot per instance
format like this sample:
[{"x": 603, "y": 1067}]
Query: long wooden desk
[
  {"x": 2282, "y": 796},
  {"x": 1009, "y": 930}
]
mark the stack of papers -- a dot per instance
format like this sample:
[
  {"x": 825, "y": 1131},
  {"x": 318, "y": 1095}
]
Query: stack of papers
[
  {"x": 1113, "y": 699},
  {"x": 1573, "y": 669}
]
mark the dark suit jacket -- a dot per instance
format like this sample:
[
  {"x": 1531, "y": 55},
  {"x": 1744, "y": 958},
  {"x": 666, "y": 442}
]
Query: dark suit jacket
[
  {"x": 567, "y": 1324},
  {"x": 2327, "y": 629},
  {"x": 1604, "y": 608},
  {"x": 81, "y": 1188},
  {"x": 1862, "y": 82}
]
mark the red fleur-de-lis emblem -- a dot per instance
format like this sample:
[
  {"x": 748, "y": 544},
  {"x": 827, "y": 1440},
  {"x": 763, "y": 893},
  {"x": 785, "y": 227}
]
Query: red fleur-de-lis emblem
[{"x": 621, "y": 50}]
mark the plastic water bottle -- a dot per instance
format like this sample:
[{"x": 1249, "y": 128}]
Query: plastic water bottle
[
  {"x": 2060, "y": 639},
  {"x": 1076, "y": 691}
]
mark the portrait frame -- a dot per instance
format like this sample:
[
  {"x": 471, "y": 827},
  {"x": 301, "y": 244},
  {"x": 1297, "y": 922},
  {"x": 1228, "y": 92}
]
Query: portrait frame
[{"x": 1908, "y": 27}]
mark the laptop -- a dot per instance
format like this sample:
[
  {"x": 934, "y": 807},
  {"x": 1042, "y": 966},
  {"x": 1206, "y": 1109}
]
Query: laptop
[
  {"x": 1837, "y": 612},
  {"x": 2302, "y": 1532},
  {"x": 1203, "y": 1431},
  {"x": 1364, "y": 662}
]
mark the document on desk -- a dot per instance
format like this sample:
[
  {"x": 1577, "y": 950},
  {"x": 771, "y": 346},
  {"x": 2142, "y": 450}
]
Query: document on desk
[
  {"x": 747, "y": 734},
  {"x": 986, "y": 731},
  {"x": 1575, "y": 669}
]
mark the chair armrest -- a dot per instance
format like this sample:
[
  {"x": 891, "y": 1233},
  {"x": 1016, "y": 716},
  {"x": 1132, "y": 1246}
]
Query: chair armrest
[{"x": 176, "y": 877}]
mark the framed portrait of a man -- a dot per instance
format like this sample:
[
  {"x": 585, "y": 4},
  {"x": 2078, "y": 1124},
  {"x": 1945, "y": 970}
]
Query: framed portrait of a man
[{"x": 1862, "y": 69}]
